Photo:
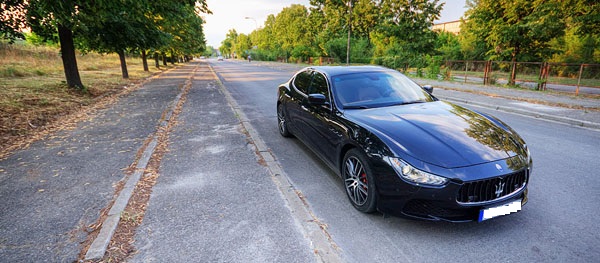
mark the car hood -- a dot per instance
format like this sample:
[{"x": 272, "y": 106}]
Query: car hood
[{"x": 439, "y": 133}]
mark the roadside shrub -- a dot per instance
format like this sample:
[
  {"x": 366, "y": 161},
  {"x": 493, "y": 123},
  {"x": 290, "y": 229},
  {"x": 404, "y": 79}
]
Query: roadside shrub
[{"x": 434, "y": 66}]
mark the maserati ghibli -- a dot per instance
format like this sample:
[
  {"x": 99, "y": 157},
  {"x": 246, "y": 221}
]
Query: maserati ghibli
[{"x": 400, "y": 150}]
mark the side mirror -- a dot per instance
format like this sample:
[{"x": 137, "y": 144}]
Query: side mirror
[
  {"x": 428, "y": 88},
  {"x": 317, "y": 99}
]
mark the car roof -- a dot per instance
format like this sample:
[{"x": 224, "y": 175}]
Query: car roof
[{"x": 339, "y": 70}]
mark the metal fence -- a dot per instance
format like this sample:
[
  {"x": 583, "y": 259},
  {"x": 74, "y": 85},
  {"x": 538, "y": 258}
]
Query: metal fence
[{"x": 569, "y": 77}]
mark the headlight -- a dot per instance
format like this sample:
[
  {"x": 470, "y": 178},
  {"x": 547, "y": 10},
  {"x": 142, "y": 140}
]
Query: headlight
[{"x": 414, "y": 175}]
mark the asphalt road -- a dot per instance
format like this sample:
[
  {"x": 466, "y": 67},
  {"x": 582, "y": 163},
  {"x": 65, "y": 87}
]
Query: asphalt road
[{"x": 557, "y": 225}]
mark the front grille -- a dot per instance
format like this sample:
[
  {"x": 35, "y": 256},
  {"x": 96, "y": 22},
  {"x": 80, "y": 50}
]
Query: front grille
[{"x": 491, "y": 189}]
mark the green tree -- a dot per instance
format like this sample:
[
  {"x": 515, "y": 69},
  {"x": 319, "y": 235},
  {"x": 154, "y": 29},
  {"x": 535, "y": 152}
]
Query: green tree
[
  {"x": 329, "y": 18},
  {"x": 107, "y": 26},
  {"x": 13, "y": 19},
  {"x": 118, "y": 26},
  {"x": 472, "y": 47},
  {"x": 585, "y": 14},
  {"x": 290, "y": 30},
  {"x": 575, "y": 48},
  {"x": 404, "y": 28},
  {"x": 46, "y": 17},
  {"x": 242, "y": 45},
  {"x": 448, "y": 46},
  {"x": 228, "y": 44},
  {"x": 124, "y": 25},
  {"x": 519, "y": 30}
]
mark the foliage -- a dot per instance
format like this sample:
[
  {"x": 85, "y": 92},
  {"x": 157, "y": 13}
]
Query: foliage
[
  {"x": 394, "y": 28},
  {"x": 13, "y": 19},
  {"x": 434, "y": 66},
  {"x": 289, "y": 29},
  {"x": 228, "y": 44},
  {"x": 517, "y": 29},
  {"x": 242, "y": 45},
  {"x": 448, "y": 46},
  {"x": 471, "y": 46},
  {"x": 576, "y": 48},
  {"x": 108, "y": 26},
  {"x": 209, "y": 52},
  {"x": 404, "y": 27},
  {"x": 38, "y": 40},
  {"x": 585, "y": 14}
]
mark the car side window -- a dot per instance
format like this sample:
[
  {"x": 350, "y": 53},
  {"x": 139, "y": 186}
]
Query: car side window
[
  {"x": 319, "y": 85},
  {"x": 302, "y": 81}
]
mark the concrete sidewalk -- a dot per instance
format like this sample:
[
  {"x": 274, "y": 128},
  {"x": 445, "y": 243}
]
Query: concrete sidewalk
[
  {"x": 214, "y": 201},
  {"x": 53, "y": 192}
]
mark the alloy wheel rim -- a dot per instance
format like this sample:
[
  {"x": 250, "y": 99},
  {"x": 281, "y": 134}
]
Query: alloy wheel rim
[
  {"x": 281, "y": 119},
  {"x": 356, "y": 181}
]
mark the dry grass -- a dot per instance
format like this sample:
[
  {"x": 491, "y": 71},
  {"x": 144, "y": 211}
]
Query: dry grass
[{"x": 33, "y": 92}]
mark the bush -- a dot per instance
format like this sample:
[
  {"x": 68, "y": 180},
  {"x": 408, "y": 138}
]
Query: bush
[{"x": 434, "y": 66}]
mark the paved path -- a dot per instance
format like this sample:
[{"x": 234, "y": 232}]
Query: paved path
[
  {"x": 54, "y": 190},
  {"x": 213, "y": 201}
]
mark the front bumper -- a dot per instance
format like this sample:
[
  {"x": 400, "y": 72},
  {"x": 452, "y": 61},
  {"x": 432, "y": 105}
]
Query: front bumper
[
  {"x": 436, "y": 210},
  {"x": 452, "y": 202}
]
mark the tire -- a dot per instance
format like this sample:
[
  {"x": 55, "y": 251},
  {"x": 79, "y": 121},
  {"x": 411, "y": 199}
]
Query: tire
[
  {"x": 282, "y": 122},
  {"x": 359, "y": 181}
]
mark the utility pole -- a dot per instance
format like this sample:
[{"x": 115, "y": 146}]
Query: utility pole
[{"x": 349, "y": 33}]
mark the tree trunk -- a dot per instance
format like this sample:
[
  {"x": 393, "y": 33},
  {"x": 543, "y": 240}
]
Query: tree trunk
[
  {"x": 513, "y": 65},
  {"x": 123, "y": 64},
  {"x": 145, "y": 60},
  {"x": 513, "y": 71},
  {"x": 164, "y": 59},
  {"x": 156, "y": 64},
  {"x": 67, "y": 50},
  {"x": 349, "y": 34}
]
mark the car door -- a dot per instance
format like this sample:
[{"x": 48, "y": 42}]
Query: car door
[
  {"x": 321, "y": 129},
  {"x": 296, "y": 111}
]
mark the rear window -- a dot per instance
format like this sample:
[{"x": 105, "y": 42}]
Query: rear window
[{"x": 302, "y": 81}]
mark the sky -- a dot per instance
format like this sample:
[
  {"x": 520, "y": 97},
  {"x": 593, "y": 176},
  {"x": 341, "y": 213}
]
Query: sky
[{"x": 231, "y": 14}]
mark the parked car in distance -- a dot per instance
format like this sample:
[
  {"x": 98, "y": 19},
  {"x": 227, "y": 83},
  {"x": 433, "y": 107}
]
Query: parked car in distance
[
  {"x": 220, "y": 58},
  {"x": 400, "y": 150}
]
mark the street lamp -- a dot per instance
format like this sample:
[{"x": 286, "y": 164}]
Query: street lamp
[{"x": 255, "y": 23}]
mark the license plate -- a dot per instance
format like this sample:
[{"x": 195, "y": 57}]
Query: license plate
[{"x": 505, "y": 209}]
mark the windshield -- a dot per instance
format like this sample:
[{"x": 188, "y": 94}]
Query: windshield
[{"x": 376, "y": 89}]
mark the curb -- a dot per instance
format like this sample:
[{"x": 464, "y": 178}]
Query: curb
[
  {"x": 537, "y": 115},
  {"x": 98, "y": 247},
  {"x": 321, "y": 243}
]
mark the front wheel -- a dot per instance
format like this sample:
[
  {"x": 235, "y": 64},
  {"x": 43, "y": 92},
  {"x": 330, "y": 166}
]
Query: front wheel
[
  {"x": 359, "y": 181},
  {"x": 282, "y": 122}
]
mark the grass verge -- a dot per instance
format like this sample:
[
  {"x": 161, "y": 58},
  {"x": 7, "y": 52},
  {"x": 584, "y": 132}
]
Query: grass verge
[{"x": 35, "y": 97}]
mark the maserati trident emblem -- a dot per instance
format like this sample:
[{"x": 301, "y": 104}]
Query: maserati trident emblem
[
  {"x": 499, "y": 189},
  {"x": 499, "y": 167}
]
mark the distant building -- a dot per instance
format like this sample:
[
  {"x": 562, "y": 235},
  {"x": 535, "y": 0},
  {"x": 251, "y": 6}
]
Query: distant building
[{"x": 451, "y": 27}]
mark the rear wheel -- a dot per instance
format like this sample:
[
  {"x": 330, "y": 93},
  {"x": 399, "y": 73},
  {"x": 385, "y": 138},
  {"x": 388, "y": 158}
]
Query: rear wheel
[
  {"x": 282, "y": 122},
  {"x": 359, "y": 181}
]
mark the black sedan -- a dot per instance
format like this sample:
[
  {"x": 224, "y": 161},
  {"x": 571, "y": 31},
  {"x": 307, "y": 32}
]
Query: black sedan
[{"x": 400, "y": 150}]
